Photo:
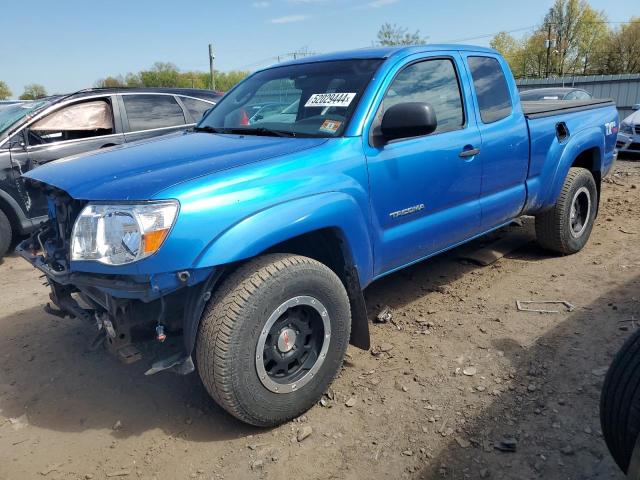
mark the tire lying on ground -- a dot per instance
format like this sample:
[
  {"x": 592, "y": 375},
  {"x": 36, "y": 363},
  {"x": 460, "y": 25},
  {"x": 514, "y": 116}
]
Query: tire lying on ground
[
  {"x": 5, "y": 233},
  {"x": 620, "y": 403},
  {"x": 273, "y": 338},
  {"x": 565, "y": 228}
]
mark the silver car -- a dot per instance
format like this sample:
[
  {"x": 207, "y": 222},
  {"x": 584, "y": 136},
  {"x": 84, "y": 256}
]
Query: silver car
[{"x": 629, "y": 133}]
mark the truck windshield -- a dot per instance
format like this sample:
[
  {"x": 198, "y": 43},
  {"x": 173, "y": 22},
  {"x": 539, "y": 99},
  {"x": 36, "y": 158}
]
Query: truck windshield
[{"x": 306, "y": 100}]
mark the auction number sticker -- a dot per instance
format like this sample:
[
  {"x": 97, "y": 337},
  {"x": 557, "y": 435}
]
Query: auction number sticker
[{"x": 330, "y": 100}]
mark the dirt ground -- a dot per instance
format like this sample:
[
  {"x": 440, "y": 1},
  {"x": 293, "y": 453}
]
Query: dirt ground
[{"x": 455, "y": 372}]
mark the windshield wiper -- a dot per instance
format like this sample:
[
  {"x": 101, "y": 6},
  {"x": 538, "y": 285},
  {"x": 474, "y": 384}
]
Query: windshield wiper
[
  {"x": 210, "y": 129},
  {"x": 260, "y": 131},
  {"x": 277, "y": 133},
  {"x": 246, "y": 131}
]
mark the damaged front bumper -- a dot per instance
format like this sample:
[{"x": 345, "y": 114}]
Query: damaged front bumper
[{"x": 151, "y": 316}]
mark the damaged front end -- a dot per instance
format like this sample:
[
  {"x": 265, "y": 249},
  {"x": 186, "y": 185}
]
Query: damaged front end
[{"x": 141, "y": 315}]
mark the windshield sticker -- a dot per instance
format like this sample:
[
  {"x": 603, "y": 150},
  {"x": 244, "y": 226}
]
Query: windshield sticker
[
  {"x": 330, "y": 100},
  {"x": 330, "y": 126}
]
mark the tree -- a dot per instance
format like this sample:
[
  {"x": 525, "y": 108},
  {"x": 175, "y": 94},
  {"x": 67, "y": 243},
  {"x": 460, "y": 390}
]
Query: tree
[
  {"x": 33, "y": 91},
  {"x": 164, "y": 74},
  {"x": 574, "y": 26},
  {"x": 582, "y": 44},
  {"x": 161, "y": 74},
  {"x": 510, "y": 48},
  {"x": 226, "y": 80},
  {"x": 5, "y": 92},
  {"x": 392, "y": 34},
  {"x": 535, "y": 54},
  {"x": 621, "y": 52},
  {"x": 592, "y": 36},
  {"x": 111, "y": 82}
]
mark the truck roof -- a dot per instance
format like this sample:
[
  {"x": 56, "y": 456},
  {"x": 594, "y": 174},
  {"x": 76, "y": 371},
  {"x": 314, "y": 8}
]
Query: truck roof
[{"x": 385, "y": 52}]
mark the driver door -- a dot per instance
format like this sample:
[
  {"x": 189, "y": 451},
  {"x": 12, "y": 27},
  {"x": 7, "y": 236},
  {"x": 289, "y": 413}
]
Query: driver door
[
  {"x": 80, "y": 127},
  {"x": 425, "y": 190}
]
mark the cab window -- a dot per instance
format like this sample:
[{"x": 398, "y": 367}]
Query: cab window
[
  {"x": 492, "y": 91},
  {"x": 434, "y": 82},
  {"x": 78, "y": 121}
]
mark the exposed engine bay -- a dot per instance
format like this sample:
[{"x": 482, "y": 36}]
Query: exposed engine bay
[{"x": 135, "y": 316}]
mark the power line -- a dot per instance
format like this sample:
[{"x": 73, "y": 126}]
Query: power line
[
  {"x": 531, "y": 27},
  {"x": 279, "y": 58},
  {"x": 485, "y": 35}
]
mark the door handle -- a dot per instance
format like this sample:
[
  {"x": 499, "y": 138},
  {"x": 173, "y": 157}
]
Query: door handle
[{"x": 469, "y": 153}]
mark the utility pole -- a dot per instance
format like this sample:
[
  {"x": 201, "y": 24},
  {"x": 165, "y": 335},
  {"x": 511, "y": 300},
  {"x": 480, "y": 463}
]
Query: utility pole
[
  {"x": 211, "y": 58},
  {"x": 548, "y": 45}
]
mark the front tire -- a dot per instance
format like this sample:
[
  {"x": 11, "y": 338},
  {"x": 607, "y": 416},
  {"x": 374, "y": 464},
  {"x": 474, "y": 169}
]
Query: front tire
[
  {"x": 5, "y": 234},
  {"x": 273, "y": 338},
  {"x": 566, "y": 227}
]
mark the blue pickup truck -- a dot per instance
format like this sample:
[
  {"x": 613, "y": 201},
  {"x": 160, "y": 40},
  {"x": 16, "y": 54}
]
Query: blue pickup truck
[{"x": 241, "y": 249}]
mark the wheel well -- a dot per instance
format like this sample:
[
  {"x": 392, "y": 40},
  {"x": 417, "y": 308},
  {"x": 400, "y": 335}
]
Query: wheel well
[
  {"x": 325, "y": 246},
  {"x": 590, "y": 159},
  {"x": 329, "y": 247}
]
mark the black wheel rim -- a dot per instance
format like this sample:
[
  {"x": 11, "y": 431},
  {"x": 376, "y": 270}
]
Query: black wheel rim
[
  {"x": 580, "y": 212},
  {"x": 293, "y": 344}
]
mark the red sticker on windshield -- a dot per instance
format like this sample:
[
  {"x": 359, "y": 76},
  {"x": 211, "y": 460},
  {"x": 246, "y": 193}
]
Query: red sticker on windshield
[{"x": 330, "y": 126}]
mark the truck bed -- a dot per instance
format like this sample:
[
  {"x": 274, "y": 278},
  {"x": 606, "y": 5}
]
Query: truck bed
[{"x": 547, "y": 108}]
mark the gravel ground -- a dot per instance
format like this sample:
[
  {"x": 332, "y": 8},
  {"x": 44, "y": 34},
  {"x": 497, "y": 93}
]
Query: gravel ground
[{"x": 454, "y": 373}]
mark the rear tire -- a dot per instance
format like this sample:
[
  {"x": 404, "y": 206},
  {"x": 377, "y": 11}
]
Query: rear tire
[
  {"x": 566, "y": 227},
  {"x": 273, "y": 338},
  {"x": 620, "y": 402},
  {"x": 6, "y": 234}
]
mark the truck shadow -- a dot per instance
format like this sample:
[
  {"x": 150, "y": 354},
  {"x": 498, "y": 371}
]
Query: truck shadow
[
  {"x": 49, "y": 372},
  {"x": 556, "y": 422},
  {"x": 437, "y": 274}
]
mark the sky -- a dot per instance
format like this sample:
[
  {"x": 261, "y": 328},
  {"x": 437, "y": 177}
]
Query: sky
[{"x": 69, "y": 47}]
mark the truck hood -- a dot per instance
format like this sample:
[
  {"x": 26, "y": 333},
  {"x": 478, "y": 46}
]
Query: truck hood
[{"x": 139, "y": 171}]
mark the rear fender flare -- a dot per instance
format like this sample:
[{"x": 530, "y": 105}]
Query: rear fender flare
[{"x": 585, "y": 140}]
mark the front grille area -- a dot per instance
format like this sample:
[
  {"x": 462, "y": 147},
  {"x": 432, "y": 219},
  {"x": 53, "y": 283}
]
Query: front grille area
[
  {"x": 637, "y": 129},
  {"x": 53, "y": 237}
]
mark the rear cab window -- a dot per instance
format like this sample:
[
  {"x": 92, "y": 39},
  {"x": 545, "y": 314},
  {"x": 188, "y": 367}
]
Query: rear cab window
[
  {"x": 151, "y": 111},
  {"x": 492, "y": 91}
]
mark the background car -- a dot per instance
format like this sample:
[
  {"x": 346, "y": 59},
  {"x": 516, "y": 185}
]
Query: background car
[
  {"x": 36, "y": 132},
  {"x": 261, "y": 111},
  {"x": 629, "y": 134},
  {"x": 565, "y": 93},
  {"x": 288, "y": 115}
]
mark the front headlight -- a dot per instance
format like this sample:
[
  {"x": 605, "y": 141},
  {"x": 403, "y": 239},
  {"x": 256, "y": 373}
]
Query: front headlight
[
  {"x": 626, "y": 128},
  {"x": 120, "y": 234}
]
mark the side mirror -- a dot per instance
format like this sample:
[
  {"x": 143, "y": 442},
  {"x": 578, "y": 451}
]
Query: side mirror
[
  {"x": 410, "y": 119},
  {"x": 636, "y": 106}
]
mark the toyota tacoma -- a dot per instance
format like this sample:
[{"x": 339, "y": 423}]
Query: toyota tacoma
[{"x": 241, "y": 249}]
